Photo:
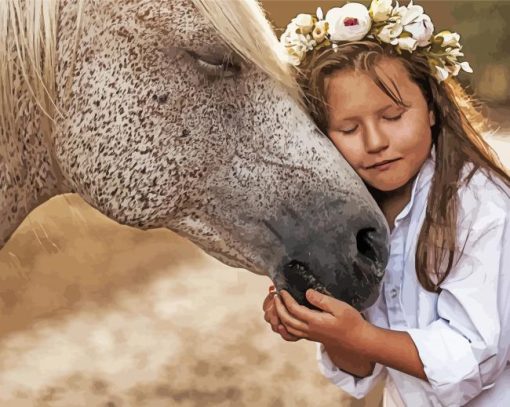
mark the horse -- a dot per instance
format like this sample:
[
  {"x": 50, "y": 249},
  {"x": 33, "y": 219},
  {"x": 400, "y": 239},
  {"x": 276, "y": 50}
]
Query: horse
[{"x": 184, "y": 115}]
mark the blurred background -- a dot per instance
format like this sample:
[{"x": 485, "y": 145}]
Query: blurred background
[{"x": 97, "y": 314}]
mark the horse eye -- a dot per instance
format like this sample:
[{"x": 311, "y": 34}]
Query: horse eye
[{"x": 224, "y": 67}]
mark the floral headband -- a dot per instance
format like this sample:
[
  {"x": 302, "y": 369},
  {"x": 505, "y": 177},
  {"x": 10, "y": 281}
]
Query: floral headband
[{"x": 407, "y": 28}]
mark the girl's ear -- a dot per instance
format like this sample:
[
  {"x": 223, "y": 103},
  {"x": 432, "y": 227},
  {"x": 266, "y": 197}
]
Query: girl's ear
[{"x": 432, "y": 118}]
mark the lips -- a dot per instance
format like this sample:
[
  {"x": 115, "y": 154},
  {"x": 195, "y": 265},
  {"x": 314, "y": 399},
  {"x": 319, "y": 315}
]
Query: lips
[{"x": 382, "y": 163}]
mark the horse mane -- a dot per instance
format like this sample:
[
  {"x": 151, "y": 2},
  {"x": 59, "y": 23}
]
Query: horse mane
[
  {"x": 244, "y": 27},
  {"x": 28, "y": 60}
]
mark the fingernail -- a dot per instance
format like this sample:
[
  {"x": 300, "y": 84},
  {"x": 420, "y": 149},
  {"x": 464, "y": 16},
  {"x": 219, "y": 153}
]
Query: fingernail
[{"x": 311, "y": 294}]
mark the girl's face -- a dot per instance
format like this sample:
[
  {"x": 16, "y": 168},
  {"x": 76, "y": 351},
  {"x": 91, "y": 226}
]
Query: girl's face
[{"x": 385, "y": 143}]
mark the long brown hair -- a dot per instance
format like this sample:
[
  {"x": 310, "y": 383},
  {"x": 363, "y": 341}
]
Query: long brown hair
[{"x": 456, "y": 136}]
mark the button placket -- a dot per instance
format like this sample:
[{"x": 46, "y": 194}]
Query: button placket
[{"x": 396, "y": 317}]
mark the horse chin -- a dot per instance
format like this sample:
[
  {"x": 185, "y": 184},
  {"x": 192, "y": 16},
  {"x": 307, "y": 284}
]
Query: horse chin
[{"x": 296, "y": 277}]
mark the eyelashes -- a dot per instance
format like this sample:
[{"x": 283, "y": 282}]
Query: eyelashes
[
  {"x": 394, "y": 118},
  {"x": 224, "y": 67},
  {"x": 350, "y": 131},
  {"x": 390, "y": 119}
]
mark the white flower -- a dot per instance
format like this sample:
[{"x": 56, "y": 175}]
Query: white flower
[
  {"x": 296, "y": 54},
  {"x": 455, "y": 70},
  {"x": 380, "y": 10},
  {"x": 292, "y": 36},
  {"x": 319, "y": 14},
  {"x": 466, "y": 67},
  {"x": 421, "y": 29},
  {"x": 449, "y": 39},
  {"x": 320, "y": 31},
  {"x": 407, "y": 43},
  {"x": 390, "y": 32},
  {"x": 454, "y": 52},
  {"x": 441, "y": 73},
  {"x": 348, "y": 23},
  {"x": 304, "y": 22},
  {"x": 408, "y": 14},
  {"x": 286, "y": 38}
]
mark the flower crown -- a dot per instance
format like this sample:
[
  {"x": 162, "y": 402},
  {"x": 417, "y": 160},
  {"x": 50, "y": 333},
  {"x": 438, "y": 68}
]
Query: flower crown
[{"x": 407, "y": 28}]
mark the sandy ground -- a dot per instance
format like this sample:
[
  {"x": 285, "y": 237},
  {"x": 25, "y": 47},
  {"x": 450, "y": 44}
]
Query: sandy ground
[{"x": 97, "y": 314}]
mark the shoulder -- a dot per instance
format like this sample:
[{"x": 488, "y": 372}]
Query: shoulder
[
  {"x": 484, "y": 199},
  {"x": 482, "y": 228}
]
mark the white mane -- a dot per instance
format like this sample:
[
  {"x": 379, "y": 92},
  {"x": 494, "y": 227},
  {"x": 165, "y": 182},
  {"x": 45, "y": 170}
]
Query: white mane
[
  {"x": 28, "y": 59},
  {"x": 244, "y": 27}
]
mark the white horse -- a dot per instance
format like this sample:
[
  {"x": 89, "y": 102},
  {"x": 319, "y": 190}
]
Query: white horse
[{"x": 183, "y": 115}]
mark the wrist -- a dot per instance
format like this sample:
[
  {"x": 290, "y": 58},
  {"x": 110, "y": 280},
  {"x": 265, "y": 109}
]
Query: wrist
[
  {"x": 362, "y": 341},
  {"x": 348, "y": 361}
]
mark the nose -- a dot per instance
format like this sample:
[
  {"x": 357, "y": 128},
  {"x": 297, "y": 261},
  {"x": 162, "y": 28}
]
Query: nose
[
  {"x": 375, "y": 139},
  {"x": 355, "y": 281}
]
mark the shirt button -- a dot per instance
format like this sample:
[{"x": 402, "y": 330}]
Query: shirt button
[{"x": 393, "y": 292}]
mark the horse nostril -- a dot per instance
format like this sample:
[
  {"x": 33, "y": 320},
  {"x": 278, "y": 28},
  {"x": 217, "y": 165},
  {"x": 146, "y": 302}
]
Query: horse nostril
[{"x": 365, "y": 243}]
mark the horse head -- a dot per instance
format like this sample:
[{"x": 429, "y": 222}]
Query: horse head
[{"x": 183, "y": 115}]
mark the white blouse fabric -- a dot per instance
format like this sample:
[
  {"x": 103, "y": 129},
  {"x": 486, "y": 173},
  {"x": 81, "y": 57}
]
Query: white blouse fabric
[{"x": 463, "y": 333}]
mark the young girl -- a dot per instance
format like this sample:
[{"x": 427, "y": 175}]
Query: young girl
[{"x": 380, "y": 84}]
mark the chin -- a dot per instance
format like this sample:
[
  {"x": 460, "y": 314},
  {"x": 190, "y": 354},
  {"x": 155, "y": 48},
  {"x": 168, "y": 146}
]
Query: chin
[{"x": 387, "y": 186}]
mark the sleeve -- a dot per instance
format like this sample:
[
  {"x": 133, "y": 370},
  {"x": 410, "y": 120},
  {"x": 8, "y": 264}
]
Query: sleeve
[
  {"x": 465, "y": 349},
  {"x": 352, "y": 385}
]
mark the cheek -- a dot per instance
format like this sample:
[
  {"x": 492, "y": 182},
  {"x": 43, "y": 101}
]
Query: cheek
[
  {"x": 350, "y": 148},
  {"x": 413, "y": 136}
]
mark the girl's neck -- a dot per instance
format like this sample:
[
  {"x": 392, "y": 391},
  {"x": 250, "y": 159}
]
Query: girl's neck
[{"x": 392, "y": 202}]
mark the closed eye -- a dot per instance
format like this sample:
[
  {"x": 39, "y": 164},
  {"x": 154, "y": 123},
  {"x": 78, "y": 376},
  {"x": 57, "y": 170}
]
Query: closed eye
[
  {"x": 394, "y": 118},
  {"x": 349, "y": 131},
  {"x": 224, "y": 67}
]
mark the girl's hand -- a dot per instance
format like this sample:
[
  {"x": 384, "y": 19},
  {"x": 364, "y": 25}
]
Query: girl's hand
[
  {"x": 271, "y": 316},
  {"x": 339, "y": 323}
]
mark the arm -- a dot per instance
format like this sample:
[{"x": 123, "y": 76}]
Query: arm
[
  {"x": 364, "y": 373},
  {"x": 350, "y": 370},
  {"x": 465, "y": 348},
  {"x": 348, "y": 361},
  {"x": 360, "y": 346},
  {"x": 394, "y": 349}
]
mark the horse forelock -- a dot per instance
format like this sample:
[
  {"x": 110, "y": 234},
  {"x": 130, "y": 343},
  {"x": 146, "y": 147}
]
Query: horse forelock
[{"x": 244, "y": 27}]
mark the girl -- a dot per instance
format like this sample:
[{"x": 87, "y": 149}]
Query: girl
[{"x": 380, "y": 84}]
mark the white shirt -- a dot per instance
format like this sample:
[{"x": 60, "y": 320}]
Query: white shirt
[{"x": 463, "y": 333}]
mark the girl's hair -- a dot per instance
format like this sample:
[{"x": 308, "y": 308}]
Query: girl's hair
[{"x": 456, "y": 136}]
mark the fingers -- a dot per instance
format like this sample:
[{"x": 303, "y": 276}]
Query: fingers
[
  {"x": 268, "y": 301},
  {"x": 271, "y": 316},
  {"x": 269, "y": 309},
  {"x": 293, "y": 325},
  {"x": 286, "y": 335},
  {"x": 299, "y": 312}
]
